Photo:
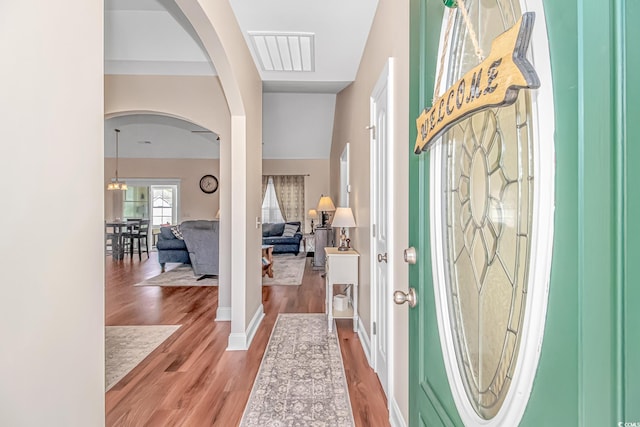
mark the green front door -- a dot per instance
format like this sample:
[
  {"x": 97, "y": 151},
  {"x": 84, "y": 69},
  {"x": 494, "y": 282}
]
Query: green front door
[{"x": 479, "y": 220}]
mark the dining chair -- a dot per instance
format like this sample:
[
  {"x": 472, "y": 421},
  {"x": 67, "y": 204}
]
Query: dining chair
[
  {"x": 138, "y": 232},
  {"x": 109, "y": 239}
]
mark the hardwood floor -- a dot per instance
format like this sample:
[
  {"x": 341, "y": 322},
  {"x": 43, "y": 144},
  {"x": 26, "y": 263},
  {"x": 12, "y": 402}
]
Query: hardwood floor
[{"x": 190, "y": 380}]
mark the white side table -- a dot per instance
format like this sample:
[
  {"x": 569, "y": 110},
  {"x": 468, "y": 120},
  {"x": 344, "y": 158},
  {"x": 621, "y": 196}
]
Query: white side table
[
  {"x": 309, "y": 242},
  {"x": 341, "y": 268}
]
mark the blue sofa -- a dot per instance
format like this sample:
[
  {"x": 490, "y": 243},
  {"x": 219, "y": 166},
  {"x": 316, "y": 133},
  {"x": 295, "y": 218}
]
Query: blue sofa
[
  {"x": 272, "y": 235},
  {"x": 170, "y": 248},
  {"x": 202, "y": 238},
  {"x": 199, "y": 247}
]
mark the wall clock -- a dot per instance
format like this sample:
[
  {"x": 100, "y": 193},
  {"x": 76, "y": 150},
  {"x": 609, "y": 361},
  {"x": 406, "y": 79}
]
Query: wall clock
[{"x": 209, "y": 184}]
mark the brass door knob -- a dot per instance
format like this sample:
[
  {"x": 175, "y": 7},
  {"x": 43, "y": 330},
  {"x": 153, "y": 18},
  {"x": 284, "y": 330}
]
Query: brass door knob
[{"x": 400, "y": 297}]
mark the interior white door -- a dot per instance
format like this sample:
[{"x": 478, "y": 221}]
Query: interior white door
[
  {"x": 344, "y": 177},
  {"x": 380, "y": 220}
]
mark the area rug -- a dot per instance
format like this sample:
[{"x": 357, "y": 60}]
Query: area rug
[
  {"x": 288, "y": 269},
  {"x": 127, "y": 346},
  {"x": 179, "y": 275},
  {"x": 301, "y": 380}
]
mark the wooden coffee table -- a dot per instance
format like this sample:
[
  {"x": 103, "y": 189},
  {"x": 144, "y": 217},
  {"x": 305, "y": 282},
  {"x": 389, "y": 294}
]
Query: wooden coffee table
[{"x": 267, "y": 254}]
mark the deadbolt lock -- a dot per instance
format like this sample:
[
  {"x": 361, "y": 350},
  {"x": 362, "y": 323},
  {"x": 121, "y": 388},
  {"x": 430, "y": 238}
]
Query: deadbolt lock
[{"x": 410, "y": 256}]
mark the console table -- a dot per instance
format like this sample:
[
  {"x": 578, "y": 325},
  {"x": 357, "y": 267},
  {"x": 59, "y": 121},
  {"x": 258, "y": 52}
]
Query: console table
[
  {"x": 323, "y": 239},
  {"x": 309, "y": 243},
  {"x": 341, "y": 268}
]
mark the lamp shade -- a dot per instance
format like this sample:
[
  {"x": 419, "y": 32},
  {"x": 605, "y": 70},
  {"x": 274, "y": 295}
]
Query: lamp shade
[
  {"x": 326, "y": 204},
  {"x": 312, "y": 214},
  {"x": 343, "y": 218}
]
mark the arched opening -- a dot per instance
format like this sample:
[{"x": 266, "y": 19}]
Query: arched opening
[{"x": 230, "y": 104}]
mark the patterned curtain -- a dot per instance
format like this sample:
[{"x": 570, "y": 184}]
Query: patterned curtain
[
  {"x": 265, "y": 182},
  {"x": 290, "y": 194}
]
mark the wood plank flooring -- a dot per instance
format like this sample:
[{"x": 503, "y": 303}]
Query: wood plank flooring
[{"x": 190, "y": 380}]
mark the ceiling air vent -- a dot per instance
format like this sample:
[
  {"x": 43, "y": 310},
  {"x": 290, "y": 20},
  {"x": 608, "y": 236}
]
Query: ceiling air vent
[{"x": 284, "y": 51}]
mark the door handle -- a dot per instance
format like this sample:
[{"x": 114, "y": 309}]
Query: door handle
[
  {"x": 382, "y": 257},
  {"x": 411, "y": 297}
]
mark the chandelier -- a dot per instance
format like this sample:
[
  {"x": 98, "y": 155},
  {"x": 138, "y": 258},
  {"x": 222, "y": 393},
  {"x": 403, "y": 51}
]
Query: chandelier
[{"x": 116, "y": 185}]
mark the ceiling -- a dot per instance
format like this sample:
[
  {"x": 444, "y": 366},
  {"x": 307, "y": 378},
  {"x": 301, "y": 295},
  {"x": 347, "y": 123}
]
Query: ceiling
[{"x": 152, "y": 37}]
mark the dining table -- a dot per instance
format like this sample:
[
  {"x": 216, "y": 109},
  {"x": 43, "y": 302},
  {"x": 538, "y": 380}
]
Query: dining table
[{"x": 115, "y": 231}]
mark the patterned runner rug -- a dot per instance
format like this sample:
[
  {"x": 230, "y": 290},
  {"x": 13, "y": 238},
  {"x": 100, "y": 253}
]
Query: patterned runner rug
[{"x": 301, "y": 380}]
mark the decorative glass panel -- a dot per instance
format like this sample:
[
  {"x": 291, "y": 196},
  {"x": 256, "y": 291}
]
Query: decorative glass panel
[{"x": 487, "y": 208}]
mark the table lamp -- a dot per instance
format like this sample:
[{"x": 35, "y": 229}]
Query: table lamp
[
  {"x": 343, "y": 218},
  {"x": 313, "y": 214},
  {"x": 325, "y": 205}
]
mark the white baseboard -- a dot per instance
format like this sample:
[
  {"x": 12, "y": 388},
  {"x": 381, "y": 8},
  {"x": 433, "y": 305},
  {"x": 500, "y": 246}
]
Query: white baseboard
[
  {"x": 242, "y": 340},
  {"x": 253, "y": 325},
  {"x": 237, "y": 341},
  {"x": 223, "y": 314},
  {"x": 395, "y": 415},
  {"x": 364, "y": 341}
]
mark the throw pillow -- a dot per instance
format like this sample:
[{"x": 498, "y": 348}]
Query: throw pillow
[
  {"x": 289, "y": 230},
  {"x": 176, "y": 232}
]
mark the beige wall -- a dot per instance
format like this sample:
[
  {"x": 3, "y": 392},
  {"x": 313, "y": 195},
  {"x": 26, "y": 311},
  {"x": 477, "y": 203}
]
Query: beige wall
[
  {"x": 52, "y": 304},
  {"x": 220, "y": 34},
  {"x": 198, "y": 99},
  {"x": 315, "y": 184},
  {"x": 240, "y": 87},
  {"x": 389, "y": 37},
  {"x": 194, "y": 204}
]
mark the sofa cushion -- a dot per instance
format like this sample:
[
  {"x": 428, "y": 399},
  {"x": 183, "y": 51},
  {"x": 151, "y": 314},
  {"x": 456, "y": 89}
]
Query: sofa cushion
[
  {"x": 279, "y": 240},
  {"x": 166, "y": 234},
  {"x": 276, "y": 229},
  {"x": 171, "y": 244},
  {"x": 266, "y": 230}
]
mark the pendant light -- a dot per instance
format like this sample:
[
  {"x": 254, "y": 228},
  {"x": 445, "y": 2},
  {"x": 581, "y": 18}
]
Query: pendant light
[{"x": 117, "y": 185}]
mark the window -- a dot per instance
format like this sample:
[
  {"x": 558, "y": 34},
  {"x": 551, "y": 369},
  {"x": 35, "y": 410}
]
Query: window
[
  {"x": 136, "y": 203},
  {"x": 154, "y": 199},
  {"x": 271, "y": 212},
  {"x": 164, "y": 204}
]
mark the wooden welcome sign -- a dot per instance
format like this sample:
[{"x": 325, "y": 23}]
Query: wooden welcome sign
[{"x": 493, "y": 83}]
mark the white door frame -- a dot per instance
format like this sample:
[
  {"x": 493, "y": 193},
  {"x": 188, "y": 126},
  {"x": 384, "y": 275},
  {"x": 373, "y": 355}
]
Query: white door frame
[
  {"x": 345, "y": 179},
  {"x": 385, "y": 82}
]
